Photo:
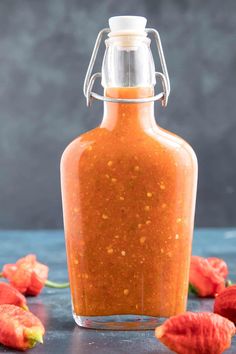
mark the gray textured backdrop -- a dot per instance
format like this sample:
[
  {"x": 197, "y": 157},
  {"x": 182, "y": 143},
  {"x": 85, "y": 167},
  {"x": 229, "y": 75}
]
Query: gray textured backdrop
[{"x": 45, "y": 46}]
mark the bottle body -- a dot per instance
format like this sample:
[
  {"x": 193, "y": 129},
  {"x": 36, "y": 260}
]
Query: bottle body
[{"x": 129, "y": 192}]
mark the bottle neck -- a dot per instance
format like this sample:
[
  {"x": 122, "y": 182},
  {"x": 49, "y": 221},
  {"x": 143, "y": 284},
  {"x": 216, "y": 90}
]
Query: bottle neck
[
  {"x": 128, "y": 116},
  {"x": 128, "y": 72}
]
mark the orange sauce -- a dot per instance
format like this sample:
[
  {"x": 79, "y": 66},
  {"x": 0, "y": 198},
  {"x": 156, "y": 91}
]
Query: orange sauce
[{"x": 128, "y": 191}]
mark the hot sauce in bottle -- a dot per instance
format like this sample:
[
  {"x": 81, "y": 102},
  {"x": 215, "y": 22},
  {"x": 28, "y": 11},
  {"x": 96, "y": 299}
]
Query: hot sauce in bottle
[{"x": 128, "y": 190}]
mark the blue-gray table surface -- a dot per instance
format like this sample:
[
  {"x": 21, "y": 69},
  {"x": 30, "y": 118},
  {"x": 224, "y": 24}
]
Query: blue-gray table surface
[{"x": 54, "y": 309}]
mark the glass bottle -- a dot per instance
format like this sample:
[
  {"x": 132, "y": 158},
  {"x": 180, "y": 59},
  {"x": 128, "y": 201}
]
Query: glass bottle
[{"x": 128, "y": 191}]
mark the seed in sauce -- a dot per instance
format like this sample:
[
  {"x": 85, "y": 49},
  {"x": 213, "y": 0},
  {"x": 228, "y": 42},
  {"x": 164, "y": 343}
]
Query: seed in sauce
[
  {"x": 123, "y": 253},
  {"x": 149, "y": 194},
  {"x": 148, "y": 222},
  {"x": 176, "y": 236},
  {"x": 139, "y": 226},
  {"x": 162, "y": 186},
  {"x": 147, "y": 207},
  {"x": 110, "y": 163},
  {"x": 113, "y": 180},
  {"x": 136, "y": 168},
  {"x": 142, "y": 240},
  {"x": 126, "y": 292},
  {"x": 110, "y": 250},
  {"x": 163, "y": 205},
  {"x": 104, "y": 216},
  {"x": 122, "y": 198},
  {"x": 178, "y": 220}
]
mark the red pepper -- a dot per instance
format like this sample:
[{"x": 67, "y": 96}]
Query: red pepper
[
  {"x": 196, "y": 333},
  {"x": 19, "y": 329},
  {"x": 225, "y": 303},
  {"x": 219, "y": 265},
  {"x": 27, "y": 275},
  {"x": 10, "y": 295},
  {"x": 207, "y": 276}
]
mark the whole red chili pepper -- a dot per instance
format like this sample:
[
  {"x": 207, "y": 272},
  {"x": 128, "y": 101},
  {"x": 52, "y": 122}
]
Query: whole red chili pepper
[
  {"x": 196, "y": 333},
  {"x": 19, "y": 329},
  {"x": 10, "y": 295},
  {"x": 207, "y": 276},
  {"x": 225, "y": 303},
  {"x": 29, "y": 276}
]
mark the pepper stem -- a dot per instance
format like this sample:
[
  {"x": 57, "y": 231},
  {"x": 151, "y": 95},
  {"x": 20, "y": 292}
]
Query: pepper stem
[
  {"x": 228, "y": 283},
  {"x": 33, "y": 336},
  {"x": 52, "y": 284},
  {"x": 192, "y": 289}
]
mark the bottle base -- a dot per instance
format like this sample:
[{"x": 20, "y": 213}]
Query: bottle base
[{"x": 119, "y": 322}]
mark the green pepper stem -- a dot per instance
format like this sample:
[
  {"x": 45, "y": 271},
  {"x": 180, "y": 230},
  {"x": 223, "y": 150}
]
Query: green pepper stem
[
  {"x": 228, "y": 283},
  {"x": 192, "y": 289},
  {"x": 52, "y": 284}
]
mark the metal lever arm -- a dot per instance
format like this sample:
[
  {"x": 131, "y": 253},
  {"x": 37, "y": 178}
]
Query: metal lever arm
[{"x": 90, "y": 78}]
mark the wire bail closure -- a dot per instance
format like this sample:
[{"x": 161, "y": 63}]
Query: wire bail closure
[{"x": 90, "y": 78}]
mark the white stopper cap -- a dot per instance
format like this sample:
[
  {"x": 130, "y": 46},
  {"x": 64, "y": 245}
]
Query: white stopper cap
[{"x": 127, "y": 24}]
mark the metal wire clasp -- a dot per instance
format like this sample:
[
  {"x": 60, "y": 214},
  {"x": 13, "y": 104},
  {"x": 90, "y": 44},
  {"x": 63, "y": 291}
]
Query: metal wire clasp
[{"x": 90, "y": 78}]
